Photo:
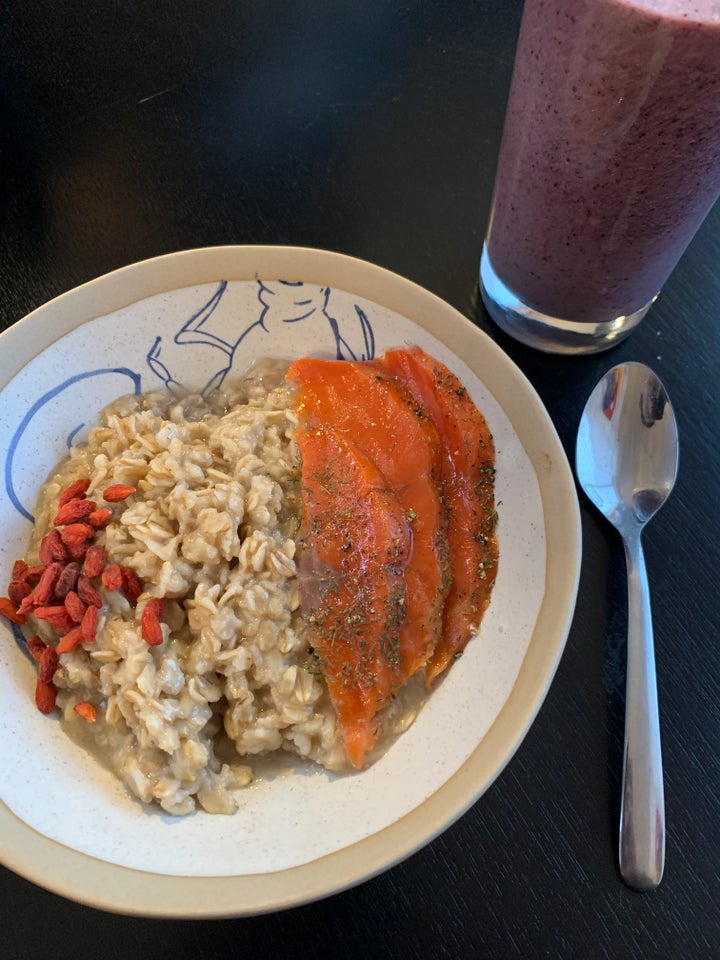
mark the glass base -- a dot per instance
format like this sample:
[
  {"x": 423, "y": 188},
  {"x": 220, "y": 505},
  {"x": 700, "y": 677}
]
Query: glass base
[{"x": 547, "y": 333}]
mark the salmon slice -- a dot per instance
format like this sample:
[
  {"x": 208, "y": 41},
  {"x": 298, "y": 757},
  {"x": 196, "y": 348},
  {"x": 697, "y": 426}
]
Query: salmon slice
[
  {"x": 382, "y": 418},
  {"x": 468, "y": 482},
  {"x": 354, "y": 542}
]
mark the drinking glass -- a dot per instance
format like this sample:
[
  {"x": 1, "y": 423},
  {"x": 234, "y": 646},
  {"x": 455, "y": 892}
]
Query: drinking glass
[{"x": 609, "y": 162}]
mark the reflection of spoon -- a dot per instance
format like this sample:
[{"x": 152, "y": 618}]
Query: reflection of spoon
[{"x": 626, "y": 458}]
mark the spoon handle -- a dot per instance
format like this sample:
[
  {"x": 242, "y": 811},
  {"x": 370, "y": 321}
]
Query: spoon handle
[{"x": 642, "y": 816}]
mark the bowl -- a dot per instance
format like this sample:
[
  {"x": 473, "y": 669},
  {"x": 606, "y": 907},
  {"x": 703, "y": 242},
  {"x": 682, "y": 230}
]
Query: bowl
[{"x": 197, "y": 318}]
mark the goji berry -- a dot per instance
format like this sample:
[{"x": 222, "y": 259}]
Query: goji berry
[
  {"x": 75, "y": 491},
  {"x": 86, "y": 711},
  {"x": 33, "y": 574},
  {"x": 18, "y": 590},
  {"x": 48, "y": 664},
  {"x": 98, "y": 518},
  {"x": 46, "y": 584},
  {"x": 67, "y": 579},
  {"x": 112, "y": 577},
  {"x": 118, "y": 492},
  {"x": 95, "y": 561},
  {"x": 35, "y": 646},
  {"x": 75, "y": 607},
  {"x": 70, "y": 640},
  {"x": 89, "y": 625},
  {"x": 9, "y": 610},
  {"x": 156, "y": 604},
  {"x": 45, "y": 694},
  {"x": 150, "y": 622},
  {"x": 54, "y": 615},
  {"x": 26, "y": 605},
  {"x": 75, "y": 537},
  {"x": 44, "y": 550},
  {"x": 19, "y": 570},
  {"x": 52, "y": 548},
  {"x": 87, "y": 592},
  {"x": 131, "y": 586},
  {"x": 74, "y": 510},
  {"x": 43, "y": 592}
]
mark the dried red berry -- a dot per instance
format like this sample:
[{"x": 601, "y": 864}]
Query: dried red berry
[
  {"x": 112, "y": 577},
  {"x": 43, "y": 593},
  {"x": 131, "y": 585},
  {"x": 73, "y": 511},
  {"x": 75, "y": 607},
  {"x": 33, "y": 574},
  {"x": 48, "y": 664},
  {"x": 87, "y": 592},
  {"x": 9, "y": 610},
  {"x": 46, "y": 584},
  {"x": 89, "y": 625},
  {"x": 118, "y": 492},
  {"x": 70, "y": 640},
  {"x": 45, "y": 694},
  {"x": 98, "y": 518},
  {"x": 67, "y": 579},
  {"x": 86, "y": 711},
  {"x": 52, "y": 548},
  {"x": 95, "y": 561},
  {"x": 18, "y": 590},
  {"x": 35, "y": 646},
  {"x": 75, "y": 491},
  {"x": 55, "y": 615},
  {"x": 75, "y": 537},
  {"x": 19, "y": 570},
  {"x": 150, "y": 622}
]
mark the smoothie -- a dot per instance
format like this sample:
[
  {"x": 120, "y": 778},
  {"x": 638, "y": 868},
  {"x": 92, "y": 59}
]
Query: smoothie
[{"x": 610, "y": 157}]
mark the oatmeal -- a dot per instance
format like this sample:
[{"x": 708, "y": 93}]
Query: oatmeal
[{"x": 210, "y": 530}]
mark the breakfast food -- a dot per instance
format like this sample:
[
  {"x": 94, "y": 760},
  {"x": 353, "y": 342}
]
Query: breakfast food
[
  {"x": 431, "y": 458},
  {"x": 213, "y": 580}
]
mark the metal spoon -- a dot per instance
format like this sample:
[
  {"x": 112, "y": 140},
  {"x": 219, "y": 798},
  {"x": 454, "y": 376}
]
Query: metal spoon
[{"x": 626, "y": 460}]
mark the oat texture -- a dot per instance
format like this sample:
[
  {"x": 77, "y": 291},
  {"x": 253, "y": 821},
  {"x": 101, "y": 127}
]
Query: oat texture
[{"x": 210, "y": 529}]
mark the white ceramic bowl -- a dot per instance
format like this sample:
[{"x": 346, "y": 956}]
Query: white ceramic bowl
[{"x": 195, "y": 317}]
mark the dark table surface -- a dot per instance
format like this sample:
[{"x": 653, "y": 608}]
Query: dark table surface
[{"x": 134, "y": 129}]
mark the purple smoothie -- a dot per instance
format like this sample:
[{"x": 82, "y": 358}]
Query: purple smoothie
[{"x": 610, "y": 157}]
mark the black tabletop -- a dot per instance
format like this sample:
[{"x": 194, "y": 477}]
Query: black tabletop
[{"x": 134, "y": 129}]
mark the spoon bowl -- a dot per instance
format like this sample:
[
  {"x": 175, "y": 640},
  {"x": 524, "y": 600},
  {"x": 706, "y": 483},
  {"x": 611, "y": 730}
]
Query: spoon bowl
[{"x": 626, "y": 462}]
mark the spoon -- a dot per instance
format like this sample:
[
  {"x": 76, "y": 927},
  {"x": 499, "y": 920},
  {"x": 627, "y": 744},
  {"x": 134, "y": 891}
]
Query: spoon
[{"x": 626, "y": 461}]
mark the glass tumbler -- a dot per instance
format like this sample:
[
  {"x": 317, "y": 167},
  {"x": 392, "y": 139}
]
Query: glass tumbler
[{"x": 609, "y": 162}]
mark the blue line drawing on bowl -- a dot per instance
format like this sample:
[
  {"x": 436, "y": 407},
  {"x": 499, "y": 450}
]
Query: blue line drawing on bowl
[
  {"x": 197, "y": 331},
  {"x": 282, "y": 302},
  {"x": 73, "y": 433},
  {"x": 352, "y": 339},
  {"x": 21, "y": 640},
  {"x": 37, "y": 408}
]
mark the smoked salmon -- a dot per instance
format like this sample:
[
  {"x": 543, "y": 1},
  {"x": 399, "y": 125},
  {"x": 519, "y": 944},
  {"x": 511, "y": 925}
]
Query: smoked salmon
[
  {"x": 397, "y": 544},
  {"x": 354, "y": 542},
  {"x": 468, "y": 476},
  {"x": 382, "y": 418}
]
